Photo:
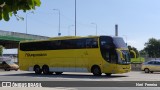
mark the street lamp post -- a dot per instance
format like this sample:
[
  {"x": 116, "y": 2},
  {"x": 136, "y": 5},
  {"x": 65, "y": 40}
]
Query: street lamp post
[
  {"x": 75, "y": 18},
  {"x": 26, "y": 20},
  {"x": 96, "y": 27},
  {"x": 59, "y": 33}
]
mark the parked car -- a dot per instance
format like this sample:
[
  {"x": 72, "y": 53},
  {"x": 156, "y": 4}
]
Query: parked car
[
  {"x": 7, "y": 64},
  {"x": 151, "y": 66}
]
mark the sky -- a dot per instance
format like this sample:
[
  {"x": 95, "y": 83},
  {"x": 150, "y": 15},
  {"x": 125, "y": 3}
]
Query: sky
[{"x": 138, "y": 20}]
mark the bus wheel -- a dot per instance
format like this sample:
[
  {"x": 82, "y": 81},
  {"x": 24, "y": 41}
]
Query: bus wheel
[
  {"x": 108, "y": 74},
  {"x": 96, "y": 71},
  {"x": 58, "y": 73},
  {"x": 37, "y": 69},
  {"x": 45, "y": 69}
]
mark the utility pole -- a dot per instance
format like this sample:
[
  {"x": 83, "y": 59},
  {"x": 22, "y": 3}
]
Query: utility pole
[
  {"x": 59, "y": 31},
  {"x": 75, "y": 19}
]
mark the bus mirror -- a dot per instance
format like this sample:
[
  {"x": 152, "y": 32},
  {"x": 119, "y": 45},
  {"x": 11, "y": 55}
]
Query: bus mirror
[
  {"x": 120, "y": 54},
  {"x": 133, "y": 54}
]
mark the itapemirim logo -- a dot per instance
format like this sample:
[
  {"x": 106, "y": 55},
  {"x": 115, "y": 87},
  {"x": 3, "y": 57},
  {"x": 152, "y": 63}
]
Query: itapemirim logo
[{"x": 35, "y": 55}]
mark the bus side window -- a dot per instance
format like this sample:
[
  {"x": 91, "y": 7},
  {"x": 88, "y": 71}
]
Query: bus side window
[
  {"x": 56, "y": 44},
  {"x": 81, "y": 43},
  {"x": 107, "y": 43},
  {"x": 92, "y": 43},
  {"x": 95, "y": 43},
  {"x": 88, "y": 43}
]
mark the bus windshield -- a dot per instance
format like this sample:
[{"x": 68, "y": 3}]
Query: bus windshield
[
  {"x": 125, "y": 57},
  {"x": 109, "y": 46}
]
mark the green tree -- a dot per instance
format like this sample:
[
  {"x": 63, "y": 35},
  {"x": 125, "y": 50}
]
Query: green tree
[
  {"x": 1, "y": 50},
  {"x": 152, "y": 47},
  {"x": 143, "y": 53},
  {"x": 137, "y": 52},
  {"x": 9, "y": 7}
]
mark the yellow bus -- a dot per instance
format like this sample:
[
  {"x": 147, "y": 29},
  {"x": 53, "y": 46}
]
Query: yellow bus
[{"x": 94, "y": 54}]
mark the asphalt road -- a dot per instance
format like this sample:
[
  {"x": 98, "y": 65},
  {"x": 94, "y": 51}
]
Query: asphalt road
[{"x": 68, "y": 76}]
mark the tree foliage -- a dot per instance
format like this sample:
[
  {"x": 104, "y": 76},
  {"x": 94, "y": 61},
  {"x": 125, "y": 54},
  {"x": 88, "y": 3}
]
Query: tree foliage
[
  {"x": 143, "y": 53},
  {"x": 152, "y": 47},
  {"x": 9, "y": 7}
]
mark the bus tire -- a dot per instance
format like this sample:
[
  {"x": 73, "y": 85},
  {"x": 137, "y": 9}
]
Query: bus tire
[
  {"x": 37, "y": 69},
  {"x": 45, "y": 69},
  {"x": 58, "y": 73},
  {"x": 96, "y": 71}
]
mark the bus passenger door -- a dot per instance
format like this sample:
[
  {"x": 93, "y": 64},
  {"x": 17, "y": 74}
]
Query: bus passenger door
[{"x": 113, "y": 59}]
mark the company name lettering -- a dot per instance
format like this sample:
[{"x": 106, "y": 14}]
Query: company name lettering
[{"x": 35, "y": 55}]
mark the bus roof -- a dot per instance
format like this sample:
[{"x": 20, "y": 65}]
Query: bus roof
[
  {"x": 59, "y": 38},
  {"x": 65, "y": 37},
  {"x": 71, "y": 37}
]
